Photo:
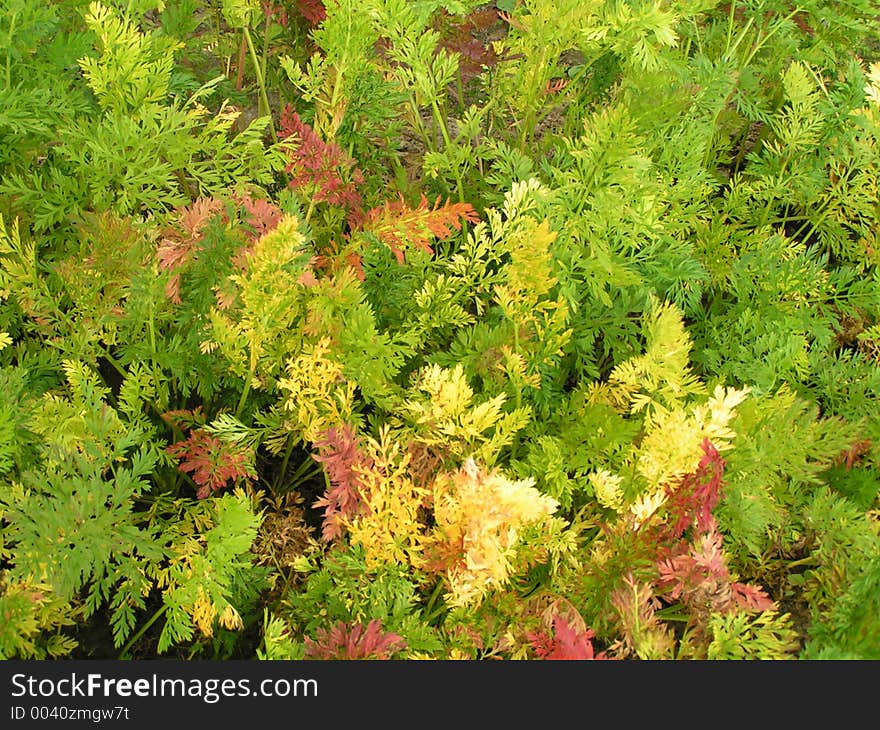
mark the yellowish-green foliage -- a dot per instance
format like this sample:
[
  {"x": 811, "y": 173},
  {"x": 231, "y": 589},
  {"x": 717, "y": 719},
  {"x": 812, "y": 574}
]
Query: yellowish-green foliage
[
  {"x": 662, "y": 376},
  {"x": 199, "y": 584},
  {"x": 548, "y": 329},
  {"x": 442, "y": 415},
  {"x": 676, "y": 416},
  {"x": 539, "y": 320},
  {"x": 317, "y": 395},
  {"x": 671, "y": 446},
  {"x": 34, "y": 619},
  {"x": 132, "y": 71},
  {"x": 393, "y": 529},
  {"x": 260, "y": 329}
]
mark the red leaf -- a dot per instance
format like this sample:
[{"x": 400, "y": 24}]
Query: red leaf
[
  {"x": 752, "y": 598},
  {"x": 184, "y": 419},
  {"x": 279, "y": 12},
  {"x": 566, "y": 643},
  {"x": 312, "y": 10},
  {"x": 338, "y": 452},
  {"x": 321, "y": 168},
  {"x": 854, "y": 453},
  {"x": 353, "y": 641},
  {"x": 262, "y": 216},
  {"x": 212, "y": 462},
  {"x": 470, "y": 38},
  {"x": 692, "y": 500},
  {"x": 687, "y": 567}
]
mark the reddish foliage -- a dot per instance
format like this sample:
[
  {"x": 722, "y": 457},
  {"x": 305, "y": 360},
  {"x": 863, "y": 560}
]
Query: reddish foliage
[
  {"x": 193, "y": 219},
  {"x": 691, "y": 501},
  {"x": 554, "y": 86},
  {"x": 262, "y": 216},
  {"x": 566, "y": 643},
  {"x": 183, "y": 419},
  {"x": 181, "y": 240},
  {"x": 320, "y": 168},
  {"x": 338, "y": 452},
  {"x": 212, "y": 462},
  {"x": 397, "y": 225},
  {"x": 686, "y": 567},
  {"x": 468, "y": 37},
  {"x": 271, "y": 10},
  {"x": 444, "y": 556},
  {"x": 751, "y": 598},
  {"x": 312, "y": 10},
  {"x": 854, "y": 453},
  {"x": 698, "y": 575},
  {"x": 335, "y": 258},
  {"x": 353, "y": 641}
]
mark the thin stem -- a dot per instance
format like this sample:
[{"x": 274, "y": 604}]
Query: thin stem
[
  {"x": 768, "y": 208},
  {"x": 730, "y": 23},
  {"x": 760, "y": 42},
  {"x": 448, "y": 142},
  {"x": 245, "y": 392},
  {"x": 809, "y": 560},
  {"x": 155, "y": 617},
  {"x": 8, "y": 51},
  {"x": 430, "y": 613},
  {"x": 242, "y": 53},
  {"x": 261, "y": 82},
  {"x": 287, "y": 452},
  {"x": 265, "y": 56},
  {"x": 731, "y": 49},
  {"x": 826, "y": 211},
  {"x": 420, "y": 126}
]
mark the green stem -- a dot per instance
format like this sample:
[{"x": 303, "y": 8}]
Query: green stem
[
  {"x": 809, "y": 560},
  {"x": 264, "y": 58},
  {"x": 152, "y": 331},
  {"x": 8, "y": 52},
  {"x": 245, "y": 392},
  {"x": 768, "y": 208},
  {"x": 430, "y": 613},
  {"x": 261, "y": 82},
  {"x": 760, "y": 42},
  {"x": 438, "y": 115},
  {"x": 155, "y": 617},
  {"x": 730, "y": 22},
  {"x": 826, "y": 211},
  {"x": 287, "y": 452},
  {"x": 420, "y": 127}
]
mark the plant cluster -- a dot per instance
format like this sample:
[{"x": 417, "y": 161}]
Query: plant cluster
[{"x": 372, "y": 329}]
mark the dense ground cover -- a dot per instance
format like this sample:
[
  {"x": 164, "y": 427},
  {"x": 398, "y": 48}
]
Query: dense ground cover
[{"x": 382, "y": 329}]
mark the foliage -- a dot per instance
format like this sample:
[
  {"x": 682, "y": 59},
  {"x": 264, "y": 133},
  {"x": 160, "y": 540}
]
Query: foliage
[{"x": 372, "y": 329}]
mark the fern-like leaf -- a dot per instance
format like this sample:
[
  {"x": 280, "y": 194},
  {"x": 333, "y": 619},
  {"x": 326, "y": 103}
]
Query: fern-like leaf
[
  {"x": 354, "y": 641},
  {"x": 320, "y": 168},
  {"x": 213, "y": 463},
  {"x": 399, "y": 226},
  {"x": 338, "y": 452}
]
